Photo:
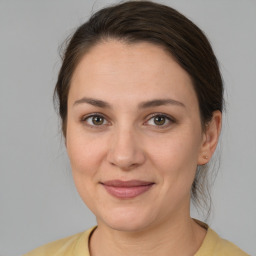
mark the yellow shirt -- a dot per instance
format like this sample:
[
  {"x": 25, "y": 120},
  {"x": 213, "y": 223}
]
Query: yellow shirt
[{"x": 77, "y": 245}]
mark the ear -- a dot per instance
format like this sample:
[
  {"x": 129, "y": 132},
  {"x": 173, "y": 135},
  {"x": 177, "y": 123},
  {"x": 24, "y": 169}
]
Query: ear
[{"x": 210, "y": 138}]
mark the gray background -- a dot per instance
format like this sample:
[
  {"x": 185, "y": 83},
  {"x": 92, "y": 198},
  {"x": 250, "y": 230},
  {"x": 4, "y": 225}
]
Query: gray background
[{"x": 38, "y": 201}]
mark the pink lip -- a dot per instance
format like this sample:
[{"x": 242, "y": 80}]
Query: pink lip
[{"x": 126, "y": 189}]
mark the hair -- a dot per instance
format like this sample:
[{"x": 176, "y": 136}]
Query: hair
[{"x": 145, "y": 21}]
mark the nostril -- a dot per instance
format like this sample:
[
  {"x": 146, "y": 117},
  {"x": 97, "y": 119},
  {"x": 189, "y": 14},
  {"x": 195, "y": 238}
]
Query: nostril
[
  {"x": 125, "y": 150},
  {"x": 126, "y": 161}
]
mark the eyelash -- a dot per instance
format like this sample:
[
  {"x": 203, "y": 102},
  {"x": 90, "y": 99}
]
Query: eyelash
[
  {"x": 170, "y": 120},
  {"x": 85, "y": 119}
]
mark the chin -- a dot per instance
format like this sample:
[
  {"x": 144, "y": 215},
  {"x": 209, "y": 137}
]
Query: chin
[
  {"x": 127, "y": 226},
  {"x": 127, "y": 220}
]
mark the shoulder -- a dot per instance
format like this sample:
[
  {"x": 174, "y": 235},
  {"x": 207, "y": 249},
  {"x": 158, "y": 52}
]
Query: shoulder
[
  {"x": 214, "y": 245},
  {"x": 60, "y": 247},
  {"x": 72, "y": 245}
]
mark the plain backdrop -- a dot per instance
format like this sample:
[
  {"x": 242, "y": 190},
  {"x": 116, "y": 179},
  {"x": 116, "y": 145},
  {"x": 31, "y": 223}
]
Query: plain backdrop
[{"x": 38, "y": 201}]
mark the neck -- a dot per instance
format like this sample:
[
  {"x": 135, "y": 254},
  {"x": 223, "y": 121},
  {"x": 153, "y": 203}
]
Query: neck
[{"x": 180, "y": 236}]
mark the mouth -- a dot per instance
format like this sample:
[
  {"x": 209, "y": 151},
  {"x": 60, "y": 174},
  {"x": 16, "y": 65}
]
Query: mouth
[{"x": 126, "y": 189}]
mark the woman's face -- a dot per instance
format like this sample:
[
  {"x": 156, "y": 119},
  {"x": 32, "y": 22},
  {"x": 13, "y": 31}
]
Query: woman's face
[{"x": 134, "y": 135}]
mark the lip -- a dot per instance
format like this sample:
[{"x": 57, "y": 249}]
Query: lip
[{"x": 126, "y": 189}]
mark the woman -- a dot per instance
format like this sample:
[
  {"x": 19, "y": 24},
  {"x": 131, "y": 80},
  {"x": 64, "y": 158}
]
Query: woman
[{"x": 140, "y": 98}]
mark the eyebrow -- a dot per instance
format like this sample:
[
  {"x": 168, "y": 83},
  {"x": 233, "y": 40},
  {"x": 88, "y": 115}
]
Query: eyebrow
[
  {"x": 94, "y": 102},
  {"x": 146, "y": 104},
  {"x": 160, "y": 102}
]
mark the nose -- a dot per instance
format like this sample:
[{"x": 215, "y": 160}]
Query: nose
[{"x": 125, "y": 150}]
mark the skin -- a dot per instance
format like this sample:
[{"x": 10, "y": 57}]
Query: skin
[{"x": 131, "y": 145}]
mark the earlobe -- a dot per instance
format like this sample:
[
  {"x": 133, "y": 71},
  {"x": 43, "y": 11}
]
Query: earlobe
[{"x": 210, "y": 138}]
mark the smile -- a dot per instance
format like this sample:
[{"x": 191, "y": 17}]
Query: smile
[{"x": 126, "y": 189}]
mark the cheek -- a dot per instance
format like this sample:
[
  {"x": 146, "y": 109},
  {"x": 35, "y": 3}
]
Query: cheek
[
  {"x": 85, "y": 157},
  {"x": 175, "y": 151},
  {"x": 85, "y": 154},
  {"x": 84, "y": 151},
  {"x": 176, "y": 163},
  {"x": 175, "y": 158},
  {"x": 82, "y": 156}
]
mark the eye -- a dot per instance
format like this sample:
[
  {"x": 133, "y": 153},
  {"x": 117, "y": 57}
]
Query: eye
[
  {"x": 160, "y": 120},
  {"x": 95, "y": 120}
]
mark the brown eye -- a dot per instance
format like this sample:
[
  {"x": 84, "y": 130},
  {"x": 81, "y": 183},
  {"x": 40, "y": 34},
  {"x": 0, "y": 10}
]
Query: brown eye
[
  {"x": 159, "y": 120},
  {"x": 97, "y": 120}
]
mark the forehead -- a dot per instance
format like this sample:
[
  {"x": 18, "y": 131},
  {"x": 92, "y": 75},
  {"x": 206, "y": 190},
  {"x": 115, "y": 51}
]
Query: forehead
[{"x": 140, "y": 70}]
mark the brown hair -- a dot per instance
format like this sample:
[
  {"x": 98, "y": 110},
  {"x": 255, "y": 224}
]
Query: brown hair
[{"x": 136, "y": 21}]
